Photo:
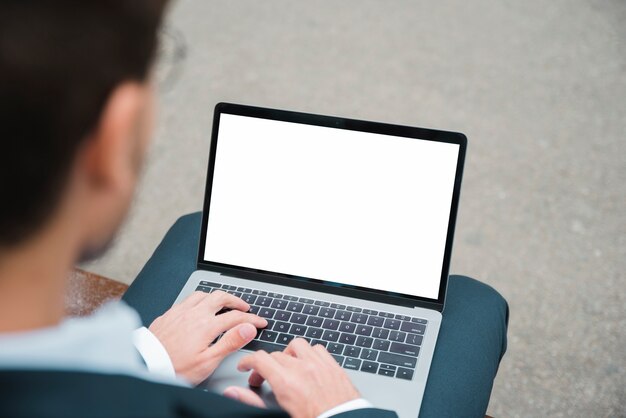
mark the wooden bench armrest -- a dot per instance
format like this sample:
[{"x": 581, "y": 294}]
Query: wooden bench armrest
[{"x": 86, "y": 292}]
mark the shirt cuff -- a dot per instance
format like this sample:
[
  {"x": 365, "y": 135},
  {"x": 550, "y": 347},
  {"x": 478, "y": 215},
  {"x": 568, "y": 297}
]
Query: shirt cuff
[
  {"x": 345, "y": 407},
  {"x": 154, "y": 354}
]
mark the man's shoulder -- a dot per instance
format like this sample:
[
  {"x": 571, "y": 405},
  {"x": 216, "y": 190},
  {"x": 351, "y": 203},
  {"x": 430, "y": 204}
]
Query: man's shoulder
[{"x": 77, "y": 394}]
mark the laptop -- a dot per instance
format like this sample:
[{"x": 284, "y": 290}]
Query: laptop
[{"x": 335, "y": 230}]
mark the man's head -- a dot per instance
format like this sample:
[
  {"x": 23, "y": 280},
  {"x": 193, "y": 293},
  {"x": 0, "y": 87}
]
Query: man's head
[{"x": 76, "y": 112}]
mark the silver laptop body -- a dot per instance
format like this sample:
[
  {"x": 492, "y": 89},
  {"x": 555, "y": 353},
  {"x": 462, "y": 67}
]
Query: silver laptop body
[{"x": 335, "y": 230}]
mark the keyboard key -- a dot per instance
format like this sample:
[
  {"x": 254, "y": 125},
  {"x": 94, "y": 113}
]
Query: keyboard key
[
  {"x": 370, "y": 312},
  {"x": 368, "y": 354},
  {"x": 376, "y": 321},
  {"x": 275, "y": 295},
  {"x": 256, "y": 345},
  {"x": 281, "y": 326},
  {"x": 386, "y": 314},
  {"x": 319, "y": 342},
  {"x": 210, "y": 284},
  {"x": 315, "y": 321},
  {"x": 236, "y": 294},
  {"x": 359, "y": 318},
  {"x": 254, "y": 309},
  {"x": 380, "y": 333},
  {"x": 335, "y": 348},
  {"x": 406, "y": 349},
  {"x": 414, "y": 339},
  {"x": 268, "y": 336},
  {"x": 338, "y": 359},
  {"x": 330, "y": 335},
  {"x": 347, "y": 338},
  {"x": 363, "y": 330},
  {"x": 337, "y": 306},
  {"x": 291, "y": 298},
  {"x": 419, "y": 321},
  {"x": 204, "y": 289},
  {"x": 314, "y": 332},
  {"x": 343, "y": 315},
  {"x": 362, "y": 341},
  {"x": 320, "y": 303},
  {"x": 305, "y": 300},
  {"x": 279, "y": 304},
  {"x": 404, "y": 373},
  {"x": 413, "y": 328},
  {"x": 244, "y": 290},
  {"x": 266, "y": 313},
  {"x": 297, "y": 329},
  {"x": 397, "y": 360},
  {"x": 295, "y": 307},
  {"x": 369, "y": 367},
  {"x": 382, "y": 345},
  {"x": 330, "y": 324},
  {"x": 387, "y": 370},
  {"x": 284, "y": 339},
  {"x": 259, "y": 292},
  {"x": 352, "y": 363},
  {"x": 311, "y": 310},
  {"x": 264, "y": 301},
  {"x": 298, "y": 318},
  {"x": 248, "y": 298},
  {"x": 282, "y": 316},
  {"x": 354, "y": 309},
  {"x": 352, "y": 351},
  {"x": 392, "y": 323},
  {"x": 327, "y": 312},
  {"x": 397, "y": 336},
  {"x": 347, "y": 327},
  {"x": 229, "y": 287},
  {"x": 403, "y": 317}
]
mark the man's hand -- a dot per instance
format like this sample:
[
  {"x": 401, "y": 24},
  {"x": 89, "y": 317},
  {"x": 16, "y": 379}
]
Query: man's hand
[
  {"x": 307, "y": 381},
  {"x": 187, "y": 330}
]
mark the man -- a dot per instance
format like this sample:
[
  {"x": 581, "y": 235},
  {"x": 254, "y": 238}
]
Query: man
[
  {"x": 76, "y": 106},
  {"x": 76, "y": 114}
]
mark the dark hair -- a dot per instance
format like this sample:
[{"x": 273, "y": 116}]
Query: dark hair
[{"x": 59, "y": 62}]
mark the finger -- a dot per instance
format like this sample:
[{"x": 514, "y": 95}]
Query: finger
[
  {"x": 232, "y": 341},
  {"x": 218, "y": 300},
  {"x": 244, "y": 395},
  {"x": 298, "y": 347},
  {"x": 323, "y": 354},
  {"x": 231, "y": 319},
  {"x": 264, "y": 366},
  {"x": 193, "y": 299},
  {"x": 284, "y": 360}
]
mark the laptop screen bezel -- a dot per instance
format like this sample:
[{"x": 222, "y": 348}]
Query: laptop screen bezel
[{"x": 339, "y": 123}]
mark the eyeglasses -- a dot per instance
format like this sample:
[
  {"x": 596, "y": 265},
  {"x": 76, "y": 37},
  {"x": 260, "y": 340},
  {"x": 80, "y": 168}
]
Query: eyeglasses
[{"x": 169, "y": 58}]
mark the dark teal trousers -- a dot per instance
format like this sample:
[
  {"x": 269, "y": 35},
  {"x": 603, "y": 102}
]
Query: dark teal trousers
[{"x": 471, "y": 342}]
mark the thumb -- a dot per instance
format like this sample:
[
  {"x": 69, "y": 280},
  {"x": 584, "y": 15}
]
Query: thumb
[
  {"x": 244, "y": 395},
  {"x": 234, "y": 339}
]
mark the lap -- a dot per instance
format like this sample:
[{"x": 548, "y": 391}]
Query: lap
[{"x": 470, "y": 345}]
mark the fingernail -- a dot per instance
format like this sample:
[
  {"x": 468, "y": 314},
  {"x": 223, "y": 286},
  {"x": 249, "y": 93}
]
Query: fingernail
[
  {"x": 247, "y": 331},
  {"x": 231, "y": 393}
]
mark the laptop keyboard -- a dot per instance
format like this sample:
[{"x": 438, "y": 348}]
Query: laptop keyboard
[{"x": 358, "y": 338}]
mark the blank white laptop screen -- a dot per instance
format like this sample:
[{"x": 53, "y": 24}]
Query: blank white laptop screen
[{"x": 350, "y": 207}]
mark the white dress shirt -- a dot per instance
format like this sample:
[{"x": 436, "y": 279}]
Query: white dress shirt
[{"x": 105, "y": 342}]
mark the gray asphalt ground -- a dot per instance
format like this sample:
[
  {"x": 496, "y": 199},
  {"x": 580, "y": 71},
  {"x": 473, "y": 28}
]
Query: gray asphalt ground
[{"x": 538, "y": 87}]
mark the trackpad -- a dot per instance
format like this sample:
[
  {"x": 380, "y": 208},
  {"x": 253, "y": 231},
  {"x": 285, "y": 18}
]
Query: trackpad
[{"x": 227, "y": 375}]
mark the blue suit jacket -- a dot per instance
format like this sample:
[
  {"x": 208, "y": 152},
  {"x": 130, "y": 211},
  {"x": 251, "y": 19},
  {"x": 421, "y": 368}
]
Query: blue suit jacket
[{"x": 84, "y": 394}]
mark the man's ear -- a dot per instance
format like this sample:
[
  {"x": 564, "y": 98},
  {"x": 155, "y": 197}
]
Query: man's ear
[{"x": 110, "y": 151}]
